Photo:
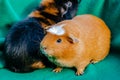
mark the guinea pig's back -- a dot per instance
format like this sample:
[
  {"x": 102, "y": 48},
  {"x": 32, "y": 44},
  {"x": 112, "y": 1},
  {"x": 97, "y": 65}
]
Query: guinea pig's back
[
  {"x": 91, "y": 26},
  {"x": 93, "y": 32},
  {"x": 86, "y": 25}
]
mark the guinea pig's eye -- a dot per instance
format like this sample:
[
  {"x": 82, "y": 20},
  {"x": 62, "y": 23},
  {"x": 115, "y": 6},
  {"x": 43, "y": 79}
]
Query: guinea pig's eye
[{"x": 59, "y": 40}]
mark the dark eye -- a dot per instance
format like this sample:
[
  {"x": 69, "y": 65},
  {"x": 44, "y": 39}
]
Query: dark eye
[{"x": 59, "y": 40}]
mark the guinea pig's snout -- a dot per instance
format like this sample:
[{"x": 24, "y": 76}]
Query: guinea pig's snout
[{"x": 43, "y": 47}]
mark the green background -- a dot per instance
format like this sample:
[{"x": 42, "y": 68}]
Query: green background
[{"x": 12, "y": 11}]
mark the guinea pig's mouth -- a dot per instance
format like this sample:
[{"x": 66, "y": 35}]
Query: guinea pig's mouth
[{"x": 50, "y": 57}]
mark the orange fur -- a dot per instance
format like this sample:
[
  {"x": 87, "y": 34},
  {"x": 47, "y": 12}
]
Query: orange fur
[
  {"x": 86, "y": 39},
  {"x": 45, "y": 2},
  {"x": 49, "y": 8},
  {"x": 36, "y": 14}
]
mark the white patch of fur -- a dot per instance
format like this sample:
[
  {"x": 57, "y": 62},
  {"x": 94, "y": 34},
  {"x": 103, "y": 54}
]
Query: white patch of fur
[
  {"x": 68, "y": 4},
  {"x": 58, "y": 30}
]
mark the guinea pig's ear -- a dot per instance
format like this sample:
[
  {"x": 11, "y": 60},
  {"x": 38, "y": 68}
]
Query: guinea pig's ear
[
  {"x": 72, "y": 39},
  {"x": 65, "y": 8}
]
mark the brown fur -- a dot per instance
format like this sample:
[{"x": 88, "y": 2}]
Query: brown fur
[
  {"x": 48, "y": 9},
  {"x": 86, "y": 40},
  {"x": 38, "y": 65}
]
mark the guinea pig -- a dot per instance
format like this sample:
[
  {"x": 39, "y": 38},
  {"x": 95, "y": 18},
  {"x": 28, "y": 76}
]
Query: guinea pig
[
  {"x": 76, "y": 43},
  {"x": 21, "y": 47}
]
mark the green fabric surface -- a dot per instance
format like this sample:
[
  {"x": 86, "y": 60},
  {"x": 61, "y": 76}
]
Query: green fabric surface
[{"x": 12, "y": 11}]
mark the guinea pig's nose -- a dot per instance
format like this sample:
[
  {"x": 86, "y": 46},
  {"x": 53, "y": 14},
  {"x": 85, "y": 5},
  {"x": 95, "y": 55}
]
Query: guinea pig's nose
[{"x": 44, "y": 47}]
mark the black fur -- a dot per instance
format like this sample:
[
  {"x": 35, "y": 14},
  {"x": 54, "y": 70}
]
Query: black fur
[{"x": 22, "y": 44}]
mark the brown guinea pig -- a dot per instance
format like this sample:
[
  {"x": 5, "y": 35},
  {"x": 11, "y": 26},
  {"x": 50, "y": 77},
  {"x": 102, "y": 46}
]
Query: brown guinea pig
[{"x": 76, "y": 43}]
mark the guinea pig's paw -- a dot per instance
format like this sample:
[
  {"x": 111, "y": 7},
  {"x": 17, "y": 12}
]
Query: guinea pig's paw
[
  {"x": 79, "y": 72},
  {"x": 58, "y": 69},
  {"x": 38, "y": 65}
]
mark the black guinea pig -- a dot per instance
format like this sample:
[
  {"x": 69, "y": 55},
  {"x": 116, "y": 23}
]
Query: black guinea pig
[{"x": 21, "y": 47}]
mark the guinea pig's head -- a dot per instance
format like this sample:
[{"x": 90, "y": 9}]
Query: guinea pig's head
[
  {"x": 66, "y": 8},
  {"x": 58, "y": 43}
]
